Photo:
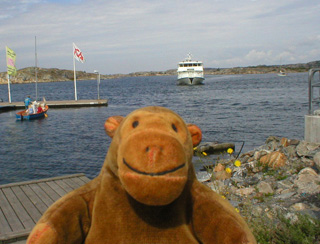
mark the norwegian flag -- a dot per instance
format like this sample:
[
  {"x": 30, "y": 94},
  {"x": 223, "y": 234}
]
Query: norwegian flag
[{"x": 78, "y": 54}]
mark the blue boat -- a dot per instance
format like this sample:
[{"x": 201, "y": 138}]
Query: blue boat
[{"x": 24, "y": 115}]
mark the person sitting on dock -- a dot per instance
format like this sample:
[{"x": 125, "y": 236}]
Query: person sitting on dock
[{"x": 27, "y": 101}]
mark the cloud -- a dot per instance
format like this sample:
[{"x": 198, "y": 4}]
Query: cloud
[
  {"x": 128, "y": 36},
  {"x": 255, "y": 56}
]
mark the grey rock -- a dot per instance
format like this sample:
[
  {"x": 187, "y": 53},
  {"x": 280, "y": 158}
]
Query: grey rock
[
  {"x": 203, "y": 176},
  {"x": 285, "y": 195},
  {"x": 265, "y": 188},
  {"x": 307, "y": 149},
  {"x": 316, "y": 159},
  {"x": 252, "y": 180},
  {"x": 234, "y": 203},
  {"x": 258, "y": 190},
  {"x": 245, "y": 191},
  {"x": 290, "y": 151},
  {"x": 287, "y": 183},
  {"x": 299, "y": 206},
  {"x": 294, "y": 142},
  {"x": 308, "y": 181},
  {"x": 272, "y": 139}
]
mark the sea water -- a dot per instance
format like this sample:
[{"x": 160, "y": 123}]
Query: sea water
[{"x": 228, "y": 108}]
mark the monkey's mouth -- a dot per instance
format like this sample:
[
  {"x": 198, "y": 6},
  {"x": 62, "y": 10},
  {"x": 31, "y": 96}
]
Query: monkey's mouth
[{"x": 152, "y": 173}]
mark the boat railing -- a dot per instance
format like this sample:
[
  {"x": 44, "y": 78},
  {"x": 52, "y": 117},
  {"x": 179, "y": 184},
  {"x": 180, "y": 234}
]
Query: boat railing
[{"x": 314, "y": 85}]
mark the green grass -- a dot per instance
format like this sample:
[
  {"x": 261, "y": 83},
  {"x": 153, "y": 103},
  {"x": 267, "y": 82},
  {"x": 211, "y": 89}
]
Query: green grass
[{"x": 281, "y": 230}]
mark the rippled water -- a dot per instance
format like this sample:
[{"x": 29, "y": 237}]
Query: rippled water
[{"x": 231, "y": 108}]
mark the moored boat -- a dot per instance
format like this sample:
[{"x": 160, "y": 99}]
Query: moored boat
[
  {"x": 28, "y": 114},
  {"x": 190, "y": 72},
  {"x": 282, "y": 72}
]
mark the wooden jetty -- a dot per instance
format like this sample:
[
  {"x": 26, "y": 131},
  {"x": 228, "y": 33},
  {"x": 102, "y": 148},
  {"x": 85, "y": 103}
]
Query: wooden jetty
[
  {"x": 56, "y": 104},
  {"x": 23, "y": 203}
]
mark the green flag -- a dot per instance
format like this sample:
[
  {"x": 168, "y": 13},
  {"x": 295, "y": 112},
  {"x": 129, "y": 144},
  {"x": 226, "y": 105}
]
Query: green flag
[{"x": 11, "y": 60}]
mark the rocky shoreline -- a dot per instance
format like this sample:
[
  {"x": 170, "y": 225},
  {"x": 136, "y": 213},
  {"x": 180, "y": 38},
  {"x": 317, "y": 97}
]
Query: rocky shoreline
[{"x": 280, "y": 176}]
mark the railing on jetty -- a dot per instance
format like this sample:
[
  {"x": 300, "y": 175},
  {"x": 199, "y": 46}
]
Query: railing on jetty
[
  {"x": 312, "y": 85},
  {"x": 23, "y": 203}
]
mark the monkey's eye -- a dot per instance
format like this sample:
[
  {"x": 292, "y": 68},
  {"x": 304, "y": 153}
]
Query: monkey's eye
[
  {"x": 135, "y": 124},
  {"x": 174, "y": 127}
]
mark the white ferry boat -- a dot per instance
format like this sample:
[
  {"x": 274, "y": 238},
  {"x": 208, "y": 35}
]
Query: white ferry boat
[{"x": 190, "y": 72}]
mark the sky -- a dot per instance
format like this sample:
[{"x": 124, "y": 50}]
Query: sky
[{"x": 124, "y": 36}]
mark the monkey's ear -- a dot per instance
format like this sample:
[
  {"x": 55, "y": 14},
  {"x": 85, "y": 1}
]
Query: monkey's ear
[
  {"x": 196, "y": 134},
  {"x": 111, "y": 125}
]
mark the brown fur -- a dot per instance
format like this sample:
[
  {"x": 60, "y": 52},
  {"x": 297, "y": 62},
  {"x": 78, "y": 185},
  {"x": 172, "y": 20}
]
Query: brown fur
[{"x": 146, "y": 191}]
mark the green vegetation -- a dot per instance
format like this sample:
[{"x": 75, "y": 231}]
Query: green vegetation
[{"x": 300, "y": 229}]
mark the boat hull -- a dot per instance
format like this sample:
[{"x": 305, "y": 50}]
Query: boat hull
[
  {"x": 190, "y": 81},
  {"x": 23, "y": 115}
]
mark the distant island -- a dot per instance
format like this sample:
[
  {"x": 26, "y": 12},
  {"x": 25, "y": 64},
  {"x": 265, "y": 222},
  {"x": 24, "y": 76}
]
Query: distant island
[{"x": 27, "y": 75}]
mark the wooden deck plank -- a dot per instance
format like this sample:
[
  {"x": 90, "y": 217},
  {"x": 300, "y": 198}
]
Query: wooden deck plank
[
  {"x": 41, "y": 180},
  {"x": 10, "y": 214},
  {"x": 77, "y": 182},
  {"x": 41, "y": 194},
  {"x": 64, "y": 185},
  {"x": 45, "y": 187},
  {"x": 22, "y": 214},
  {"x": 57, "y": 188},
  {"x": 71, "y": 183},
  {"x": 84, "y": 179},
  {"x": 4, "y": 225},
  {"x": 27, "y": 204},
  {"x": 34, "y": 198},
  {"x": 23, "y": 203}
]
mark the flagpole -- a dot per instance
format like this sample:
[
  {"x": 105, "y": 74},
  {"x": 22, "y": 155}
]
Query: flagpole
[
  {"x": 74, "y": 75},
  {"x": 8, "y": 76},
  {"x": 36, "y": 65},
  {"x": 9, "y": 92}
]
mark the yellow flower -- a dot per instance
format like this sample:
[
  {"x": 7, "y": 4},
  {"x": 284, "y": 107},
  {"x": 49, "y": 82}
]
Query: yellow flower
[
  {"x": 223, "y": 197},
  {"x": 230, "y": 150},
  {"x": 195, "y": 148},
  {"x": 237, "y": 210},
  {"x": 237, "y": 163},
  {"x": 204, "y": 153},
  {"x": 228, "y": 170}
]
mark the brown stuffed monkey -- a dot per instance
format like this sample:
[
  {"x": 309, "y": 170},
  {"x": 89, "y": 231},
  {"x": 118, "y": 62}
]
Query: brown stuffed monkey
[{"x": 146, "y": 192}]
